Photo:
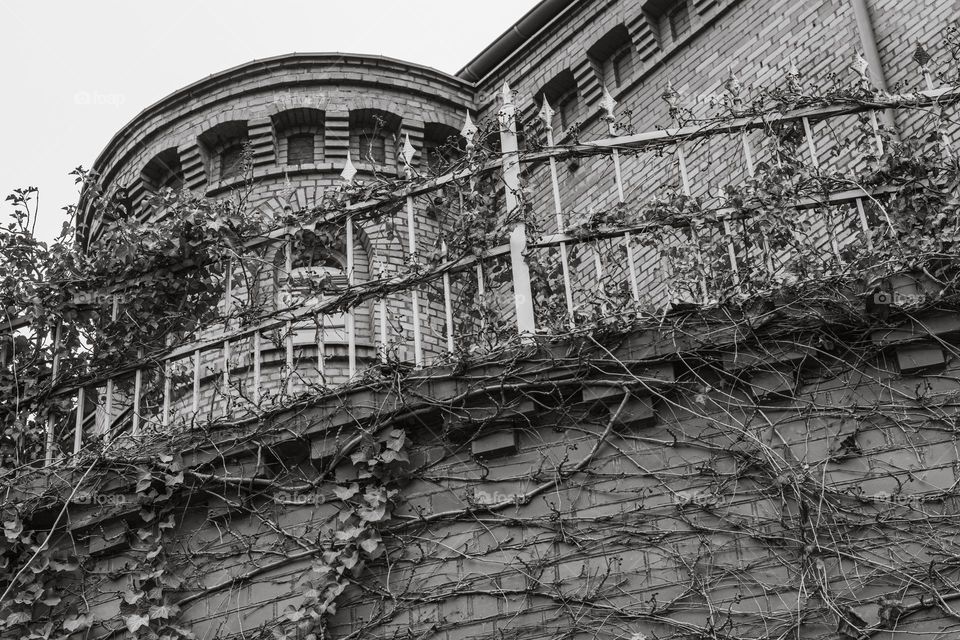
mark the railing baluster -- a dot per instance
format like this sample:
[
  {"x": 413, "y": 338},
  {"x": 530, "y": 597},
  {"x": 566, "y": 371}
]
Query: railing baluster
[
  {"x": 609, "y": 104},
  {"x": 863, "y": 223},
  {"x": 227, "y": 308},
  {"x": 54, "y": 373},
  {"x": 812, "y": 148},
  {"x": 108, "y": 403},
  {"x": 167, "y": 387},
  {"x": 447, "y": 301},
  {"x": 196, "y": 382},
  {"x": 350, "y": 319},
  {"x": 137, "y": 391},
  {"x": 78, "y": 425},
  {"x": 547, "y": 113},
  {"x": 751, "y": 172},
  {"x": 694, "y": 236},
  {"x": 382, "y": 311},
  {"x": 322, "y": 350},
  {"x": 408, "y": 153},
  {"x": 288, "y": 326},
  {"x": 256, "y": 367}
]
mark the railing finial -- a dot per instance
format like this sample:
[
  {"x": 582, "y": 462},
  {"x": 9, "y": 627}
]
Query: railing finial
[
  {"x": 546, "y": 114},
  {"x": 672, "y": 97},
  {"x": 608, "y": 103},
  {"x": 408, "y": 152},
  {"x": 860, "y": 66},
  {"x": 349, "y": 171},
  {"x": 734, "y": 88},
  {"x": 793, "y": 77},
  {"x": 468, "y": 133},
  {"x": 506, "y": 93},
  {"x": 921, "y": 56}
]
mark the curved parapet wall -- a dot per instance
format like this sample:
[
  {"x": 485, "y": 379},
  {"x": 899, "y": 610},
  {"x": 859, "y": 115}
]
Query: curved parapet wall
[
  {"x": 183, "y": 139},
  {"x": 279, "y": 131}
]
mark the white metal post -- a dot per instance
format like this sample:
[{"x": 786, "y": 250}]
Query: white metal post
[{"x": 522, "y": 291}]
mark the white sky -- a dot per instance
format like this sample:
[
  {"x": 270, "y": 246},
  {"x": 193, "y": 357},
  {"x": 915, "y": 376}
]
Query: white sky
[{"x": 75, "y": 72}]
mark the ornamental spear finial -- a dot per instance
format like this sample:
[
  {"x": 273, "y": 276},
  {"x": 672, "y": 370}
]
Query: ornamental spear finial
[
  {"x": 608, "y": 103},
  {"x": 546, "y": 114},
  {"x": 349, "y": 171}
]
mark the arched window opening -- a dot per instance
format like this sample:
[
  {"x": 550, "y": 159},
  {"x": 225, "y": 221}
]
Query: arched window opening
[
  {"x": 231, "y": 161},
  {"x": 563, "y": 94},
  {"x": 442, "y": 147},
  {"x": 224, "y": 149},
  {"x": 163, "y": 171},
  {"x": 612, "y": 57},
  {"x": 299, "y": 135}
]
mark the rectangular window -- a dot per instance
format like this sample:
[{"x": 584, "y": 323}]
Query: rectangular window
[
  {"x": 568, "y": 108},
  {"x": 679, "y": 19},
  {"x": 231, "y": 162},
  {"x": 373, "y": 148},
  {"x": 300, "y": 149},
  {"x": 622, "y": 60}
]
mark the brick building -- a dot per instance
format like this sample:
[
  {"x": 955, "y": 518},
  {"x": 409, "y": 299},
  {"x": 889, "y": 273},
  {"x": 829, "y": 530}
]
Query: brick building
[{"x": 731, "y": 474}]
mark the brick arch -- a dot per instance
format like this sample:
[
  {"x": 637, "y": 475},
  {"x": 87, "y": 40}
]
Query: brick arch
[{"x": 219, "y": 145}]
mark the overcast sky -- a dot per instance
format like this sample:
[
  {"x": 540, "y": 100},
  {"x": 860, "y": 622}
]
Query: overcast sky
[{"x": 75, "y": 72}]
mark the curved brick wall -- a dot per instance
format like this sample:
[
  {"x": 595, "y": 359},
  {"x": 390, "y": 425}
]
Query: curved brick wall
[{"x": 335, "y": 98}]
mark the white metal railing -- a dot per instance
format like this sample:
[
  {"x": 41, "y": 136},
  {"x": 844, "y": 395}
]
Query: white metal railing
[{"x": 154, "y": 374}]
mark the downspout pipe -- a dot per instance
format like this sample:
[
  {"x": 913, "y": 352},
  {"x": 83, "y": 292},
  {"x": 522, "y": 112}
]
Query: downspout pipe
[{"x": 868, "y": 42}]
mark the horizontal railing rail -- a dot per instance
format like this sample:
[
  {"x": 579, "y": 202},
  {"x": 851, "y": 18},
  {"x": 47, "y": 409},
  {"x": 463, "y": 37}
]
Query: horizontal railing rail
[{"x": 455, "y": 320}]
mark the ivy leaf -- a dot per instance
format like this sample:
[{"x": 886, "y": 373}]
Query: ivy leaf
[
  {"x": 78, "y": 623},
  {"x": 136, "y": 621},
  {"x": 12, "y": 528},
  {"x": 18, "y": 617},
  {"x": 162, "y": 612},
  {"x": 132, "y": 597},
  {"x": 344, "y": 493}
]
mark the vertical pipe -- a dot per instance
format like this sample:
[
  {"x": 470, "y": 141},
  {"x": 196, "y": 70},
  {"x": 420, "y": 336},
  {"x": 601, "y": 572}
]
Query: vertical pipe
[{"x": 871, "y": 53}]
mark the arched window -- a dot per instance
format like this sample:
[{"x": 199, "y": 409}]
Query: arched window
[
  {"x": 563, "y": 94},
  {"x": 442, "y": 146},
  {"x": 163, "y": 171},
  {"x": 612, "y": 57},
  {"x": 373, "y": 136},
  {"x": 224, "y": 149},
  {"x": 299, "y": 136},
  {"x": 231, "y": 161}
]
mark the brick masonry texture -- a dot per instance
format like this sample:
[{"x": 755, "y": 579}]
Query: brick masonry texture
[{"x": 670, "y": 470}]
